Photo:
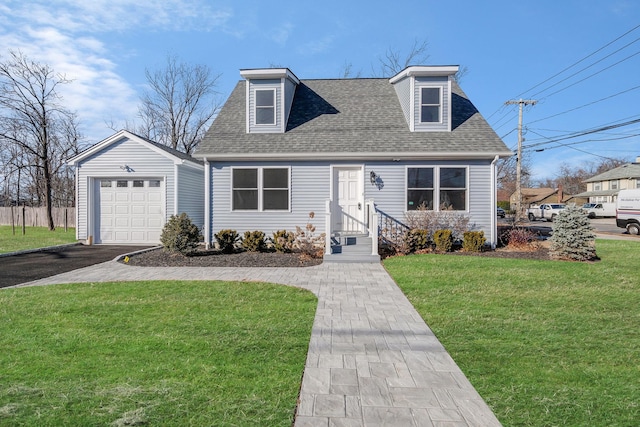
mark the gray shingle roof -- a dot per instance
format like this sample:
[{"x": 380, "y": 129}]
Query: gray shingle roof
[
  {"x": 627, "y": 171},
  {"x": 349, "y": 118}
]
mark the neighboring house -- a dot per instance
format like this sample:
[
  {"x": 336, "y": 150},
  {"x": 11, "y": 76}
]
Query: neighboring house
[
  {"x": 604, "y": 188},
  {"x": 348, "y": 150},
  {"x": 538, "y": 196},
  {"x": 128, "y": 186}
]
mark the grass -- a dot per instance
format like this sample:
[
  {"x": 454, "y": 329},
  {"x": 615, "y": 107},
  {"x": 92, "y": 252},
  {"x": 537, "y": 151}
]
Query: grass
[
  {"x": 34, "y": 237},
  {"x": 153, "y": 353},
  {"x": 546, "y": 343}
]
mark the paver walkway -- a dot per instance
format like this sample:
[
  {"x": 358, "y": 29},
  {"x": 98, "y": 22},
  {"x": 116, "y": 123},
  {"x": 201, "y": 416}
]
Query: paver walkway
[{"x": 372, "y": 360}]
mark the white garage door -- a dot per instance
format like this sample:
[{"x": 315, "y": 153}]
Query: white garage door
[{"x": 130, "y": 211}]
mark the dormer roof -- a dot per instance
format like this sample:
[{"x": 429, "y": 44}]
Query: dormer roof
[
  {"x": 425, "y": 71},
  {"x": 269, "y": 73},
  {"x": 350, "y": 119}
]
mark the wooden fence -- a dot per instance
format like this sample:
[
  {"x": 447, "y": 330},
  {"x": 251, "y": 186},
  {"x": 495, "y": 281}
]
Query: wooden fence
[{"x": 36, "y": 217}]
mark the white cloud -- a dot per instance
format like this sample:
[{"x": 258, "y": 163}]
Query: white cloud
[{"x": 66, "y": 35}]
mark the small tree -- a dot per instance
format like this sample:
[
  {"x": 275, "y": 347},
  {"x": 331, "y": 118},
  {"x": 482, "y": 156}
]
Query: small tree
[
  {"x": 180, "y": 234},
  {"x": 572, "y": 236}
]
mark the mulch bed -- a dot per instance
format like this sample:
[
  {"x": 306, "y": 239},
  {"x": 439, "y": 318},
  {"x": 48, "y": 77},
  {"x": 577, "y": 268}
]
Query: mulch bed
[{"x": 214, "y": 258}]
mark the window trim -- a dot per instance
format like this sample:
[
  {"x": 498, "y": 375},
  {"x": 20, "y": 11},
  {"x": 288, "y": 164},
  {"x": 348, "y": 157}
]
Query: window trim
[
  {"x": 260, "y": 188},
  {"x": 436, "y": 185},
  {"x": 423, "y": 104},
  {"x": 256, "y": 107}
]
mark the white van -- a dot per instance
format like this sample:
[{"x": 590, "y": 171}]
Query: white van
[{"x": 628, "y": 210}]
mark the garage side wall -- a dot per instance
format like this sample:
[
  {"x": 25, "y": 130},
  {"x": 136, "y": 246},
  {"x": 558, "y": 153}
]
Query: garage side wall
[
  {"x": 191, "y": 194},
  {"x": 112, "y": 162}
]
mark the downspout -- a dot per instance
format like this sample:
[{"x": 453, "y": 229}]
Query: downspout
[
  {"x": 207, "y": 204},
  {"x": 494, "y": 197}
]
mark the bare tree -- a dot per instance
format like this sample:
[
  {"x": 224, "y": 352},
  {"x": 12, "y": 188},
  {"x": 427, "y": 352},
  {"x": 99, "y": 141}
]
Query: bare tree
[
  {"x": 395, "y": 61},
  {"x": 33, "y": 119},
  {"x": 178, "y": 105}
]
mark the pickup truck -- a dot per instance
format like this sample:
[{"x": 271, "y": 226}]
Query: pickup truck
[
  {"x": 547, "y": 211},
  {"x": 595, "y": 210}
]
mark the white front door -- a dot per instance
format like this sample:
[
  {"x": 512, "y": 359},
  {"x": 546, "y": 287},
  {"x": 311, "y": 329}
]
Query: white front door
[{"x": 348, "y": 212}]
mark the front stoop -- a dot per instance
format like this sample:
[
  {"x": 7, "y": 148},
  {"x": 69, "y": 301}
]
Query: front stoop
[{"x": 351, "y": 249}]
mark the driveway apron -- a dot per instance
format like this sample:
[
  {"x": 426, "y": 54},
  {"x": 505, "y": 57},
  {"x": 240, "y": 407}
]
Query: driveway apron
[{"x": 372, "y": 360}]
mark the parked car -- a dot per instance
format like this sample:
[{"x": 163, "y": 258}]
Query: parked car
[
  {"x": 500, "y": 212},
  {"x": 548, "y": 211}
]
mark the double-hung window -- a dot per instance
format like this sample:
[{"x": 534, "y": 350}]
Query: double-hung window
[
  {"x": 265, "y": 113},
  {"x": 453, "y": 189},
  {"x": 430, "y": 105},
  {"x": 441, "y": 187},
  {"x": 420, "y": 187},
  {"x": 260, "y": 189}
]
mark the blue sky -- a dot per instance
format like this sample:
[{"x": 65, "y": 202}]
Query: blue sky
[{"x": 507, "y": 46}]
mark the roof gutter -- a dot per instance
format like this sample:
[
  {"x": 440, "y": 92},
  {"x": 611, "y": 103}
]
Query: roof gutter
[{"x": 357, "y": 156}]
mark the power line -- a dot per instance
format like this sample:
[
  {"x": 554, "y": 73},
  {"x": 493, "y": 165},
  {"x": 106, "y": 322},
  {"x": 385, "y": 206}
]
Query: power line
[
  {"x": 582, "y": 60},
  {"x": 586, "y": 105}
]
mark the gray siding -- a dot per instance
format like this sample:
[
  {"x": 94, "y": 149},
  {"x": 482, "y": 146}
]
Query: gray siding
[
  {"x": 391, "y": 199},
  {"x": 443, "y": 83},
  {"x": 308, "y": 192},
  {"x": 144, "y": 163},
  {"x": 191, "y": 194},
  {"x": 403, "y": 90},
  {"x": 310, "y": 188},
  {"x": 265, "y": 84},
  {"x": 289, "y": 92}
]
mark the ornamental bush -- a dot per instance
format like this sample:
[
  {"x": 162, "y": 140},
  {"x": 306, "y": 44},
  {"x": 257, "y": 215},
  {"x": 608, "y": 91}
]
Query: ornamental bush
[
  {"x": 572, "y": 236},
  {"x": 227, "y": 240},
  {"x": 473, "y": 241},
  {"x": 180, "y": 234},
  {"x": 283, "y": 241},
  {"x": 416, "y": 239},
  {"x": 443, "y": 240},
  {"x": 253, "y": 241}
]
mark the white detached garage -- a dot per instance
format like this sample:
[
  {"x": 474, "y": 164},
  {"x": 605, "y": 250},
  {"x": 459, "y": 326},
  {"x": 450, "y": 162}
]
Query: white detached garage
[{"x": 127, "y": 187}]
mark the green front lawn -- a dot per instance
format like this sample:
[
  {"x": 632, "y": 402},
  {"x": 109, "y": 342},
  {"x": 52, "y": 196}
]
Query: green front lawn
[
  {"x": 153, "y": 353},
  {"x": 34, "y": 237},
  {"x": 546, "y": 343}
]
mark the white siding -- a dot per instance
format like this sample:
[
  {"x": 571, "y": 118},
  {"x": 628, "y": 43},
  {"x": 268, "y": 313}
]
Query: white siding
[
  {"x": 143, "y": 163},
  {"x": 289, "y": 92}
]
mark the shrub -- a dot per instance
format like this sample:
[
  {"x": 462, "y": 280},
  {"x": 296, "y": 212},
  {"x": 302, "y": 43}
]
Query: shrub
[
  {"x": 572, "y": 236},
  {"x": 520, "y": 238},
  {"x": 473, "y": 241},
  {"x": 306, "y": 242},
  {"x": 180, "y": 234},
  {"x": 227, "y": 240},
  {"x": 282, "y": 241},
  {"x": 425, "y": 219},
  {"x": 253, "y": 241},
  {"x": 416, "y": 240},
  {"x": 443, "y": 240}
]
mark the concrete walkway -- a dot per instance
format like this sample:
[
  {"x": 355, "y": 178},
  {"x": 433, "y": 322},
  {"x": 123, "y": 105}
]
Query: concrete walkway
[{"x": 372, "y": 360}]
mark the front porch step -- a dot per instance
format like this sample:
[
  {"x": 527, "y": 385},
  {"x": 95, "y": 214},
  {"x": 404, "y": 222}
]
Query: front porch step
[{"x": 351, "y": 249}]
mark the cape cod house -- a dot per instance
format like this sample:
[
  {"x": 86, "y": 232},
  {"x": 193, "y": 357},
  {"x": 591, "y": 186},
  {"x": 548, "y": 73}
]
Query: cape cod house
[{"x": 355, "y": 152}]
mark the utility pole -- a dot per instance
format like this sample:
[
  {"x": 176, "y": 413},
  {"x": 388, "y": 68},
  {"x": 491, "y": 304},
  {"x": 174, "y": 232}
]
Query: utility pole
[{"x": 520, "y": 103}]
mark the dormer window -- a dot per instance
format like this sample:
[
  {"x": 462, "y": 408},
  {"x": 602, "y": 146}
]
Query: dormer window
[
  {"x": 425, "y": 94},
  {"x": 269, "y": 97},
  {"x": 430, "y": 105},
  {"x": 265, "y": 107}
]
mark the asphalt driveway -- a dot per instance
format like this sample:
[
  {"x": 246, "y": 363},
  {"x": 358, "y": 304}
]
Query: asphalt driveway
[{"x": 25, "y": 267}]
